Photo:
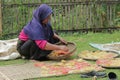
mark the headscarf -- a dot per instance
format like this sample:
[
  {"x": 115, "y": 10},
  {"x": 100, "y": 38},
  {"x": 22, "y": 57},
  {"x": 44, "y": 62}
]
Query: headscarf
[{"x": 34, "y": 29}]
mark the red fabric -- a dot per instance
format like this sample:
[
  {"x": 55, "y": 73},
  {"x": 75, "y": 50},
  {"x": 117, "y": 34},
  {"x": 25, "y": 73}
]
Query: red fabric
[
  {"x": 41, "y": 43},
  {"x": 23, "y": 36}
]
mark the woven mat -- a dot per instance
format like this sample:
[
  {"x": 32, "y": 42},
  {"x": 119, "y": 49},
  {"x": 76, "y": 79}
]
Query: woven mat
[
  {"x": 30, "y": 70},
  {"x": 19, "y": 72}
]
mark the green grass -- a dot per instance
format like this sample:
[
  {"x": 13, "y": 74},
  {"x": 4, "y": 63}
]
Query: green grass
[{"x": 82, "y": 41}]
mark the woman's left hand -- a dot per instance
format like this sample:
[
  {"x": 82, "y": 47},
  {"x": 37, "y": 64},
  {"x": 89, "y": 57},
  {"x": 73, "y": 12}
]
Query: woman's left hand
[
  {"x": 63, "y": 41},
  {"x": 58, "y": 37}
]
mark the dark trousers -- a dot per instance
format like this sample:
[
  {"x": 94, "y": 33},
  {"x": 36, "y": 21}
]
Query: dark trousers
[{"x": 30, "y": 50}]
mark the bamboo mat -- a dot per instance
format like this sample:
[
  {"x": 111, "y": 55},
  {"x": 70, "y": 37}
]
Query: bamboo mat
[
  {"x": 19, "y": 72},
  {"x": 24, "y": 71},
  {"x": 29, "y": 70}
]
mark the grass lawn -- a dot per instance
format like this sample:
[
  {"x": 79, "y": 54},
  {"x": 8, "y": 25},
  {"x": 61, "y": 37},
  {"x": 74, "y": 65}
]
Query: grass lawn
[{"x": 82, "y": 41}]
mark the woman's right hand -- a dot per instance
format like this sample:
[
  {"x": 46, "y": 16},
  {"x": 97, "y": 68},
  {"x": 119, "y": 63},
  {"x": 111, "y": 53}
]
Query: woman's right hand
[{"x": 64, "y": 48}]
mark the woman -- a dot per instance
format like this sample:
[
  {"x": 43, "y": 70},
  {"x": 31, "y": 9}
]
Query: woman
[{"x": 37, "y": 39}]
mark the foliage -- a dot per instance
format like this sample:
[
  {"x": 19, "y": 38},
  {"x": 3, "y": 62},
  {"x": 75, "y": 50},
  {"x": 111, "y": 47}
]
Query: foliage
[{"x": 17, "y": 13}]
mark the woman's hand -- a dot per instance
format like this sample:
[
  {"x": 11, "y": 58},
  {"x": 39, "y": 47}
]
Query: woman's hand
[
  {"x": 63, "y": 41},
  {"x": 58, "y": 37},
  {"x": 64, "y": 48}
]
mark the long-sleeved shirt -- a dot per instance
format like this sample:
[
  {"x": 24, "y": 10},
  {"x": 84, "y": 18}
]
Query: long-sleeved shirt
[{"x": 40, "y": 43}]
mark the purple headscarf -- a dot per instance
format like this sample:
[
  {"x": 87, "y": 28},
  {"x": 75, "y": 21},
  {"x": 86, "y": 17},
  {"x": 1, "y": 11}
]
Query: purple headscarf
[{"x": 34, "y": 29}]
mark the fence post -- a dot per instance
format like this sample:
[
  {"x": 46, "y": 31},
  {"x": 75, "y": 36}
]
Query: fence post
[{"x": 0, "y": 17}]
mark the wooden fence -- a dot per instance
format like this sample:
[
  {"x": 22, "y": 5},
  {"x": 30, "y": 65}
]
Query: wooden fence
[{"x": 68, "y": 14}]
